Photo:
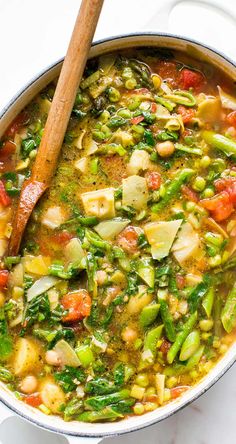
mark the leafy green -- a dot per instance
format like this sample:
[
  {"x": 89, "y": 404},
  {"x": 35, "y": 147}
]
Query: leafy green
[
  {"x": 6, "y": 342},
  {"x": 67, "y": 377}
]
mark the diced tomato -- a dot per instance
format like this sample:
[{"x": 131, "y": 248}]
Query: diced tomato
[
  {"x": 17, "y": 123},
  {"x": 153, "y": 107},
  {"x": 231, "y": 119},
  {"x": 153, "y": 180},
  {"x": 191, "y": 79},
  {"x": 177, "y": 391},
  {"x": 186, "y": 113},
  {"x": 62, "y": 237},
  {"x": 189, "y": 194},
  {"x": 128, "y": 239},
  {"x": 78, "y": 305},
  {"x": 136, "y": 120},
  {"x": 4, "y": 275},
  {"x": 180, "y": 281},
  {"x": 7, "y": 149},
  {"x": 219, "y": 205},
  {"x": 168, "y": 70},
  {"x": 5, "y": 200},
  {"x": 223, "y": 183},
  {"x": 165, "y": 347},
  {"x": 33, "y": 400}
]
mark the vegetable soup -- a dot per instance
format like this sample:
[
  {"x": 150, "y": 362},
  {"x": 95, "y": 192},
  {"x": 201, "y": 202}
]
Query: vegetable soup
[{"x": 123, "y": 296}]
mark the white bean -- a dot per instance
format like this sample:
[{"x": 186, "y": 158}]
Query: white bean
[
  {"x": 52, "y": 358},
  {"x": 29, "y": 384}
]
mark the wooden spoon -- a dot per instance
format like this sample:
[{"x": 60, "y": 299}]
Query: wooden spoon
[{"x": 46, "y": 160}]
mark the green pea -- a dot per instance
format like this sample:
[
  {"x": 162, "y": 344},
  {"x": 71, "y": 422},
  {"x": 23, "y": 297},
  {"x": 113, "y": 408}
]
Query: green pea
[
  {"x": 199, "y": 183},
  {"x": 130, "y": 83},
  {"x": 125, "y": 113},
  {"x": 206, "y": 324},
  {"x": 113, "y": 94},
  {"x": 205, "y": 161},
  {"x": 104, "y": 116},
  {"x": 142, "y": 380},
  {"x": 208, "y": 192}
]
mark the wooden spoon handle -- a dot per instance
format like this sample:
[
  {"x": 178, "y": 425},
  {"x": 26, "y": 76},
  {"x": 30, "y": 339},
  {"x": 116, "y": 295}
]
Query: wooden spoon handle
[
  {"x": 58, "y": 117},
  {"x": 64, "y": 97}
]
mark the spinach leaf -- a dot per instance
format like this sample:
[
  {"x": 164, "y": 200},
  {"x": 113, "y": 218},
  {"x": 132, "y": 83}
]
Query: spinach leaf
[
  {"x": 6, "y": 342},
  {"x": 67, "y": 377}
]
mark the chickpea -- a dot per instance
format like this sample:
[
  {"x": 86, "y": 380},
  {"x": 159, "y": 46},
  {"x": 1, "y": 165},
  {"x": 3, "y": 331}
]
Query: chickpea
[
  {"x": 129, "y": 334},
  {"x": 52, "y": 358},
  {"x": 29, "y": 384},
  {"x": 165, "y": 149},
  {"x": 101, "y": 277}
]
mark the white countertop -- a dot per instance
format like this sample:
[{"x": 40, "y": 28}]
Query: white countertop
[{"x": 34, "y": 34}]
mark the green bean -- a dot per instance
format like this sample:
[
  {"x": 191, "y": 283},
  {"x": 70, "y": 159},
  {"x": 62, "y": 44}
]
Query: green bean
[
  {"x": 228, "y": 315},
  {"x": 187, "y": 149},
  {"x": 182, "y": 98},
  {"x": 99, "y": 402},
  {"x": 173, "y": 188},
  {"x": 181, "y": 336},
  {"x": 94, "y": 77},
  {"x": 73, "y": 408},
  {"x": 107, "y": 414},
  {"x": 96, "y": 240},
  {"x": 220, "y": 142},
  {"x": 91, "y": 268},
  {"x": 166, "y": 103},
  {"x": 148, "y": 314},
  {"x": 151, "y": 339},
  {"x": 190, "y": 345},
  {"x": 208, "y": 300},
  {"x": 6, "y": 375},
  {"x": 197, "y": 294},
  {"x": 167, "y": 320}
]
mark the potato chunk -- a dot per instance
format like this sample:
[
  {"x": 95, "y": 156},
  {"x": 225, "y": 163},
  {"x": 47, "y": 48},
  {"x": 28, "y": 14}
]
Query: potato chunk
[
  {"x": 27, "y": 356},
  {"x": 52, "y": 395},
  {"x": 99, "y": 203}
]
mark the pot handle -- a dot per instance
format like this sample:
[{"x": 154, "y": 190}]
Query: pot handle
[
  {"x": 161, "y": 17},
  {"x": 5, "y": 413},
  {"x": 83, "y": 440}
]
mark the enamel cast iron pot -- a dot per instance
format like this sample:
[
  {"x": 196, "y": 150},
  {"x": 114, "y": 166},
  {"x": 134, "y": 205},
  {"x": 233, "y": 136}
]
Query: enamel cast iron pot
[{"x": 94, "y": 433}]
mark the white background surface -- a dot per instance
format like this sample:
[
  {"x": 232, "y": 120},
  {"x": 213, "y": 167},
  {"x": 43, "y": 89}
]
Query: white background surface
[{"x": 35, "y": 33}]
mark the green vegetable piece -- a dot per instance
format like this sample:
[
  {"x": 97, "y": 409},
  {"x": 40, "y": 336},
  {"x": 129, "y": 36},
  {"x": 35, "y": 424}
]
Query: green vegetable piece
[
  {"x": 148, "y": 315},
  {"x": 181, "y": 336},
  {"x": 168, "y": 104},
  {"x": 94, "y": 77},
  {"x": 145, "y": 270},
  {"x": 217, "y": 316},
  {"x": 107, "y": 414},
  {"x": 220, "y": 142},
  {"x": 208, "y": 300},
  {"x": 190, "y": 345},
  {"x": 152, "y": 336},
  {"x": 173, "y": 188},
  {"x": 109, "y": 229},
  {"x": 187, "y": 149},
  {"x": 85, "y": 355},
  {"x": 228, "y": 314},
  {"x": 198, "y": 293},
  {"x": 73, "y": 409},
  {"x": 6, "y": 375},
  {"x": 6, "y": 342},
  {"x": 99, "y": 402},
  {"x": 182, "y": 98},
  {"x": 194, "y": 359},
  {"x": 96, "y": 240},
  {"x": 167, "y": 320}
]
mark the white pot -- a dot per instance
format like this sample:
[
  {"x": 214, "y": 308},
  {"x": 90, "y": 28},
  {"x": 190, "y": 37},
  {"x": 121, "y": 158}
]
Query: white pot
[{"x": 93, "y": 433}]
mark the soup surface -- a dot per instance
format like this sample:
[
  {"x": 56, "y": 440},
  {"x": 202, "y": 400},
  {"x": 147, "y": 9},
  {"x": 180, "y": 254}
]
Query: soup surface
[{"x": 124, "y": 294}]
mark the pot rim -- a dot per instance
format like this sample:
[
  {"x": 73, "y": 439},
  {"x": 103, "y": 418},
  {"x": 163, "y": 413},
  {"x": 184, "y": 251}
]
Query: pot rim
[{"x": 225, "y": 367}]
